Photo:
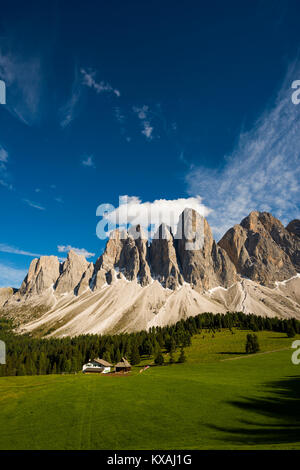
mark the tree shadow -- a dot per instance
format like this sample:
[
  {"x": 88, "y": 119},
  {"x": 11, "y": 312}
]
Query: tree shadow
[
  {"x": 240, "y": 353},
  {"x": 276, "y": 419}
]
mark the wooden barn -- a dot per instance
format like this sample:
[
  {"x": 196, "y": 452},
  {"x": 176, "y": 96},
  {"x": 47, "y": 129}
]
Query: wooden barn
[
  {"x": 99, "y": 366},
  {"x": 123, "y": 366}
]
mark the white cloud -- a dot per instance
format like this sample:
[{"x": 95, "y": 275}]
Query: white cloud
[
  {"x": 34, "y": 205},
  {"x": 263, "y": 171},
  {"x": 88, "y": 161},
  {"x": 3, "y": 155},
  {"x": 23, "y": 78},
  {"x": 11, "y": 277},
  {"x": 147, "y": 131},
  {"x": 79, "y": 251},
  {"x": 5, "y": 184},
  {"x": 100, "y": 87},
  {"x": 4, "y": 248},
  {"x": 150, "y": 215}
]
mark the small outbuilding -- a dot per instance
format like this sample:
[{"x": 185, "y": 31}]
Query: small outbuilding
[
  {"x": 123, "y": 366},
  {"x": 99, "y": 366}
]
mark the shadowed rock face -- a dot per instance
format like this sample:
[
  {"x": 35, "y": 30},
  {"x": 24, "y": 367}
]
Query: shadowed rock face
[
  {"x": 204, "y": 264},
  {"x": 294, "y": 227},
  {"x": 262, "y": 249},
  {"x": 163, "y": 259},
  {"x": 126, "y": 252},
  {"x": 85, "y": 280}
]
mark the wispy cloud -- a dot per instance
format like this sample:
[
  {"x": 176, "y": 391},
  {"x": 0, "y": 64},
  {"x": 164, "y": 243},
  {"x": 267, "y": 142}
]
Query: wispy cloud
[
  {"x": 263, "y": 171},
  {"x": 119, "y": 115},
  {"x": 4, "y": 248},
  {"x": 4, "y": 174},
  {"x": 88, "y": 161},
  {"x": 143, "y": 115},
  {"x": 79, "y": 251},
  {"x": 68, "y": 112},
  {"x": 4, "y": 183},
  {"x": 88, "y": 79},
  {"x": 23, "y": 78},
  {"x": 10, "y": 276},
  {"x": 34, "y": 205}
]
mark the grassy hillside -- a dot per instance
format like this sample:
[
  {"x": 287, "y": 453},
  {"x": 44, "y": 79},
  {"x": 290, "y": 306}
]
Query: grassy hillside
[{"x": 210, "y": 402}]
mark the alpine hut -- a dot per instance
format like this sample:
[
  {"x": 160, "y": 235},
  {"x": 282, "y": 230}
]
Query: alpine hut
[
  {"x": 99, "y": 366},
  {"x": 123, "y": 366}
]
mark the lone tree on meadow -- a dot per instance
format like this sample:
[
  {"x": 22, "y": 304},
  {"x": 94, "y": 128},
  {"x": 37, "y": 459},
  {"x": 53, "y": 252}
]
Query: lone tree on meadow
[
  {"x": 182, "y": 357},
  {"x": 252, "y": 345}
]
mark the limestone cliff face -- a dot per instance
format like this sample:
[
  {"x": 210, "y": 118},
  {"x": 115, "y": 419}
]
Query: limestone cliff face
[
  {"x": 262, "y": 249},
  {"x": 191, "y": 256},
  {"x": 203, "y": 263},
  {"x": 72, "y": 272},
  {"x": 43, "y": 273},
  {"x": 126, "y": 253},
  {"x": 6, "y": 293},
  {"x": 259, "y": 248},
  {"x": 85, "y": 280},
  {"x": 163, "y": 259}
]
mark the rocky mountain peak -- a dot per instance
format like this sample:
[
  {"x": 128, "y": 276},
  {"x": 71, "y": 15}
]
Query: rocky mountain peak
[
  {"x": 262, "y": 249},
  {"x": 259, "y": 248},
  {"x": 163, "y": 258},
  {"x": 43, "y": 273},
  {"x": 203, "y": 263}
]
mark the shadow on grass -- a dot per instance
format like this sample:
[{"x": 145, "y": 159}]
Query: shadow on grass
[
  {"x": 240, "y": 353},
  {"x": 280, "y": 337},
  {"x": 276, "y": 418}
]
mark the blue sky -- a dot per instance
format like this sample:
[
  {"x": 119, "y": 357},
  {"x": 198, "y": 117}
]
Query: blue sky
[{"x": 160, "y": 100}]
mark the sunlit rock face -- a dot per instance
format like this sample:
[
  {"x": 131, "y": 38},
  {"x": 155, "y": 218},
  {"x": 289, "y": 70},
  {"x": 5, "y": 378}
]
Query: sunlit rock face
[{"x": 262, "y": 249}]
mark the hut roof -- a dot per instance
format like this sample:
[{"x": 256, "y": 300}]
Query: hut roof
[
  {"x": 123, "y": 363},
  {"x": 102, "y": 362}
]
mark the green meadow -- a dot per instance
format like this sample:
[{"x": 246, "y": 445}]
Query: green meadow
[{"x": 220, "y": 398}]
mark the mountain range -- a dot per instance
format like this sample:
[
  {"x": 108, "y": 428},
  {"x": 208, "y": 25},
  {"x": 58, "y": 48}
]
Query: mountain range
[{"x": 135, "y": 284}]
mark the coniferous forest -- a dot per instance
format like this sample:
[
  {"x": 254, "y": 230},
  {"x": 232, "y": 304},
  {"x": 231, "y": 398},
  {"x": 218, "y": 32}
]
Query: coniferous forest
[{"x": 30, "y": 356}]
